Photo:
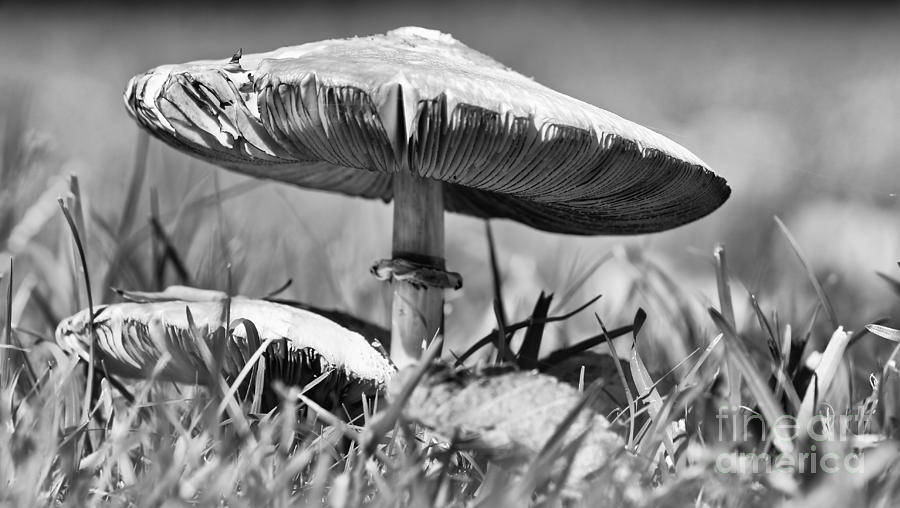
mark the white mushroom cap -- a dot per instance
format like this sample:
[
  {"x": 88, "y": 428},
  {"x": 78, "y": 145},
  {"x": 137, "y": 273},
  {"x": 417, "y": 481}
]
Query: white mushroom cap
[
  {"x": 344, "y": 115},
  {"x": 132, "y": 338}
]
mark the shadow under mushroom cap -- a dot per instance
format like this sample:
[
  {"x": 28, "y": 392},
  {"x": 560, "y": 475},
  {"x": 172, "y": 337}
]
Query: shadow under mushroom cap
[{"x": 343, "y": 115}]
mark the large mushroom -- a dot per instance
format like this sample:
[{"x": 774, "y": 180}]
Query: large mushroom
[{"x": 416, "y": 117}]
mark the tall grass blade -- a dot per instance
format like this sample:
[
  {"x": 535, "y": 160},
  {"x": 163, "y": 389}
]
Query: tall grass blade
[
  {"x": 74, "y": 206},
  {"x": 823, "y": 377},
  {"x": 780, "y": 349},
  {"x": 534, "y": 334},
  {"x": 888, "y": 395},
  {"x": 820, "y": 291},
  {"x": 621, "y": 373},
  {"x": 657, "y": 428},
  {"x": 738, "y": 355},
  {"x": 724, "y": 288},
  {"x": 787, "y": 339},
  {"x": 5, "y": 370},
  {"x": 645, "y": 385},
  {"x": 884, "y": 332},
  {"x": 14, "y": 362},
  {"x": 167, "y": 254},
  {"x": 79, "y": 247},
  {"x": 771, "y": 340},
  {"x": 689, "y": 378},
  {"x": 640, "y": 317},
  {"x": 496, "y": 277},
  {"x": 252, "y": 338},
  {"x": 501, "y": 344},
  {"x": 732, "y": 374},
  {"x": 561, "y": 355}
]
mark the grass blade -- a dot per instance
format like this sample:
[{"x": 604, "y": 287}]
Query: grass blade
[
  {"x": 724, "y": 288},
  {"x": 15, "y": 362},
  {"x": 820, "y": 291},
  {"x": 496, "y": 282},
  {"x": 824, "y": 375},
  {"x": 87, "y": 284},
  {"x": 732, "y": 374},
  {"x": 771, "y": 340},
  {"x": 884, "y": 332},
  {"x": 645, "y": 385},
  {"x": 689, "y": 377},
  {"x": 621, "y": 372},
  {"x": 561, "y": 355},
  {"x": 251, "y": 362},
  {"x": 76, "y": 220},
  {"x": 5, "y": 370},
  {"x": 738, "y": 356},
  {"x": 534, "y": 334},
  {"x": 168, "y": 255},
  {"x": 501, "y": 344}
]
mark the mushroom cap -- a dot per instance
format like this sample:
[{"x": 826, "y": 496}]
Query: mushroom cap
[
  {"x": 416, "y": 100},
  {"x": 135, "y": 339}
]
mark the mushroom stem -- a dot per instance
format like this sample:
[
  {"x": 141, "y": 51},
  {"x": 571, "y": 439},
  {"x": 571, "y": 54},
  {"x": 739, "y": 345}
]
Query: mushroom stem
[{"x": 417, "y": 313}]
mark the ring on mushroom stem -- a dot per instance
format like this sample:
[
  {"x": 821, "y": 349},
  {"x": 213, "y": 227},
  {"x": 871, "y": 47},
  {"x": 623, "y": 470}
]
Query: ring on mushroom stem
[
  {"x": 418, "y": 117},
  {"x": 418, "y": 275}
]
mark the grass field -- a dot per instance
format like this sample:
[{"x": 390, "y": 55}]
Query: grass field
[{"x": 797, "y": 109}]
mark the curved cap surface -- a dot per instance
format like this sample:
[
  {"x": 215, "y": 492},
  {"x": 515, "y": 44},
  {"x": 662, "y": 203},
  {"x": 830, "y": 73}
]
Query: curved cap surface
[
  {"x": 133, "y": 338},
  {"x": 344, "y": 115}
]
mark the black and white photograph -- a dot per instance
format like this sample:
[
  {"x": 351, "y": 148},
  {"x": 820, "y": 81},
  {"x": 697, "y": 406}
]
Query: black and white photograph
[{"x": 343, "y": 254}]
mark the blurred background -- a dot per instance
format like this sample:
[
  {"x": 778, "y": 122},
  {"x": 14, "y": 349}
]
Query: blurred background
[{"x": 797, "y": 106}]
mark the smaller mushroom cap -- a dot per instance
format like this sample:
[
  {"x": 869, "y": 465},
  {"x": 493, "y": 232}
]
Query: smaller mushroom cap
[
  {"x": 345, "y": 115},
  {"x": 134, "y": 339}
]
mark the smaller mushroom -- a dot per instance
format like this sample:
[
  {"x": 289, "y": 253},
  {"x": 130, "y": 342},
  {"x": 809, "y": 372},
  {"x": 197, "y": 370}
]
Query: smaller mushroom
[{"x": 157, "y": 335}]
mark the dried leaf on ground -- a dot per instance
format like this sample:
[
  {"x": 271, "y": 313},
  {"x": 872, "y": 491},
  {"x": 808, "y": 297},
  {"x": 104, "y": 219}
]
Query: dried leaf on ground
[{"x": 509, "y": 416}]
